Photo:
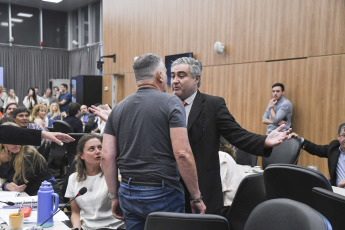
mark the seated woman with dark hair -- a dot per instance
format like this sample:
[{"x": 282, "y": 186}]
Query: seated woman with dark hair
[
  {"x": 24, "y": 169},
  {"x": 92, "y": 210}
]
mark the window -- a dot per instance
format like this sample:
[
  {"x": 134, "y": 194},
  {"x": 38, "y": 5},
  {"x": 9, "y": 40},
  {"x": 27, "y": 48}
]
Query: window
[
  {"x": 4, "y": 23},
  {"x": 55, "y": 31},
  {"x": 75, "y": 28},
  {"x": 84, "y": 26},
  {"x": 25, "y": 25},
  {"x": 96, "y": 22}
]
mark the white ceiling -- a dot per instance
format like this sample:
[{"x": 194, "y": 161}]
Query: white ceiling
[{"x": 65, "y": 5}]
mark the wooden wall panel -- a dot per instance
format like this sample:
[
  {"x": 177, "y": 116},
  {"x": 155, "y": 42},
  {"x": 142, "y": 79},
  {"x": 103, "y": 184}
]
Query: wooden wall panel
[
  {"x": 253, "y": 32},
  {"x": 106, "y": 95}
]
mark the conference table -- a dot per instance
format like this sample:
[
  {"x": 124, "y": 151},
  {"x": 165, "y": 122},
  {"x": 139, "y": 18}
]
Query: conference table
[{"x": 14, "y": 196}]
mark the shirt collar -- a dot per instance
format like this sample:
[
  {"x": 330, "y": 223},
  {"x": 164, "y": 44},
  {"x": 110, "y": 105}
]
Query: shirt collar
[
  {"x": 191, "y": 98},
  {"x": 341, "y": 151}
]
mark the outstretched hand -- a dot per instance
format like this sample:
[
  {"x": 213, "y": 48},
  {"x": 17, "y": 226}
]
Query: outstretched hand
[
  {"x": 291, "y": 135},
  {"x": 57, "y": 137},
  {"x": 276, "y": 136},
  {"x": 102, "y": 113}
]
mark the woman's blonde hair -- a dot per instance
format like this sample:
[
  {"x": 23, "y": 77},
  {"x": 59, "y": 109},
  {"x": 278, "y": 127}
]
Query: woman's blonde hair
[
  {"x": 36, "y": 109},
  {"x": 27, "y": 154},
  {"x": 80, "y": 166},
  {"x": 51, "y": 108}
]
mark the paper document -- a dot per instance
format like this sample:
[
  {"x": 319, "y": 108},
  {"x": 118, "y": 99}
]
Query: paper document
[{"x": 6, "y": 210}]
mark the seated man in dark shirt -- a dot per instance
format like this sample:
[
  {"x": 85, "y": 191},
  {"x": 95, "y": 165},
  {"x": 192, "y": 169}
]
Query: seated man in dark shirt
[{"x": 72, "y": 118}]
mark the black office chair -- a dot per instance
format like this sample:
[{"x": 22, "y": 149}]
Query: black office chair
[
  {"x": 71, "y": 147},
  {"x": 250, "y": 193},
  {"x": 62, "y": 126},
  {"x": 244, "y": 158},
  {"x": 57, "y": 157},
  {"x": 287, "y": 152},
  {"x": 293, "y": 182},
  {"x": 331, "y": 205},
  {"x": 185, "y": 221},
  {"x": 286, "y": 214}
]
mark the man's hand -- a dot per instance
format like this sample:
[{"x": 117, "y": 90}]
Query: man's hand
[
  {"x": 102, "y": 113},
  {"x": 115, "y": 208},
  {"x": 17, "y": 188},
  {"x": 291, "y": 135},
  {"x": 276, "y": 137},
  {"x": 198, "y": 207},
  {"x": 272, "y": 102},
  {"x": 63, "y": 114},
  {"x": 282, "y": 122},
  {"x": 341, "y": 183},
  {"x": 57, "y": 137}
]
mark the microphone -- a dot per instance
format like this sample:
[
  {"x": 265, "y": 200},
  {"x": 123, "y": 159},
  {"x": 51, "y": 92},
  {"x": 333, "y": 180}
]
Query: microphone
[
  {"x": 81, "y": 192},
  {"x": 8, "y": 203}
]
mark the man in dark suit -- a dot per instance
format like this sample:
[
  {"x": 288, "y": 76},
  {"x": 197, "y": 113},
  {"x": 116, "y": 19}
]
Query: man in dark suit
[
  {"x": 334, "y": 151},
  {"x": 207, "y": 119}
]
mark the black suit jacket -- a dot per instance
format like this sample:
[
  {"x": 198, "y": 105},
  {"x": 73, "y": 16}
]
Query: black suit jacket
[
  {"x": 330, "y": 151},
  {"x": 209, "y": 119}
]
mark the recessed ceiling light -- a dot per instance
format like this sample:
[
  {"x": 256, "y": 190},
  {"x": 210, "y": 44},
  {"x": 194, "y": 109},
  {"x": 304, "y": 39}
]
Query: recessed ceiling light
[
  {"x": 54, "y": 1},
  {"x": 5, "y": 24},
  {"x": 16, "y": 20},
  {"x": 25, "y": 15}
]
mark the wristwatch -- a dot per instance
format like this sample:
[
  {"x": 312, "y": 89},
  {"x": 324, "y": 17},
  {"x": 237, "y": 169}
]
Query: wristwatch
[{"x": 113, "y": 196}]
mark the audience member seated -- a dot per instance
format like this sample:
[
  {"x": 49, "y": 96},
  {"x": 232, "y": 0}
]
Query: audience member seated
[
  {"x": 30, "y": 100},
  {"x": 334, "y": 151},
  {"x": 6, "y": 119},
  {"x": 48, "y": 97},
  {"x": 87, "y": 118},
  {"x": 92, "y": 210},
  {"x": 3, "y": 96},
  {"x": 39, "y": 115},
  {"x": 72, "y": 118},
  {"x": 9, "y": 109},
  {"x": 54, "y": 113},
  {"x": 100, "y": 122},
  {"x": 12, "y": 98},
  {"x": 24, "y": 168},
  {"x": 21, "y": 117},
  {"x": 230, "y": 174}
]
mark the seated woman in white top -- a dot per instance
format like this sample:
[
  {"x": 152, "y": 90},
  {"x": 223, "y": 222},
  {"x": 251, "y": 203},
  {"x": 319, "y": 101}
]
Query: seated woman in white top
[
  {"x": 93, "y": 209},
  {"x": 231, "y": 176},
  {"x": 11, "y": 98}
]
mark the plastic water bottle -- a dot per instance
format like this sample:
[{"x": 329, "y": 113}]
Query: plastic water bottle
[{"x": 45, "y": 204}]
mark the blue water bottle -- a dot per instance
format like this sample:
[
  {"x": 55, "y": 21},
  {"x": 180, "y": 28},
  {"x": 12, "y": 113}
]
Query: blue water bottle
[{"x": 45, "y": 204}]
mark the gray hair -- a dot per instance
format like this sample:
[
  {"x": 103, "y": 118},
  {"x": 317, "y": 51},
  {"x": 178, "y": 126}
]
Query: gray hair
[
  {"x": 195, "y": 66},
  {"x": 341, "y": 127},
  {"x": 145, "y": 66}
]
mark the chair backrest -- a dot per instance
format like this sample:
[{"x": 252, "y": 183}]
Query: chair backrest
[
  {"x": 293, "y": 182},
  {"x": 286, "y": 214},
  {"x": 62, "y": 126},
  {"x": 244, "y": 158},
  {"x": 71, "y": 147},
  {"x": 287, "y": 153},
  {"x": 250, "y": 193},
  {"x": 185, "y": 221},
  {"x": 331, "y": 205}
]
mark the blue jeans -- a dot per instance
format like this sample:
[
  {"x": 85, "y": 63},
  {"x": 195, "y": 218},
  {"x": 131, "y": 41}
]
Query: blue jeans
[{"x": 137, "y": 202}]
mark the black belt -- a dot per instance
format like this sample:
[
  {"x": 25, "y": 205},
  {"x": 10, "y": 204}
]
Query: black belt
[{"x": 156, "y": 183}]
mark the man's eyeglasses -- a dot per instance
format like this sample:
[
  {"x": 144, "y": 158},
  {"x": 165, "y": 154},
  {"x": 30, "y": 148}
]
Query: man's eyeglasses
[{"x": 342, "y": 135}]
